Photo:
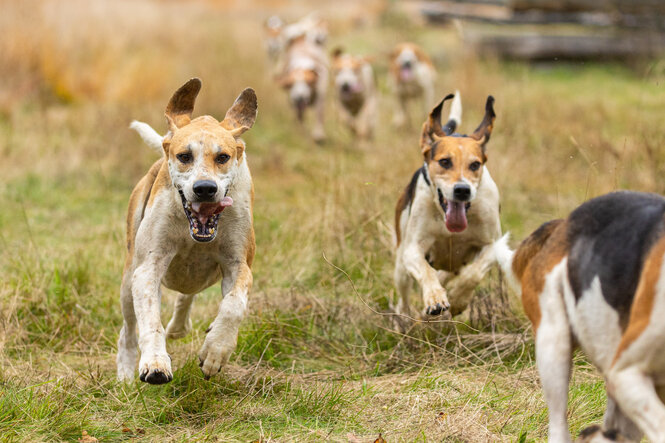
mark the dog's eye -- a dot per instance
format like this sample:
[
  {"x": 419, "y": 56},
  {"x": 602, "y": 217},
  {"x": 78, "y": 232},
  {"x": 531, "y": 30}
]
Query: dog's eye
[
  {"x": 184, "y": 157},
  {"x": 474, "y": 166},
  {"x": 446, "y": 163},
  {"x": 222, "y": 158}
]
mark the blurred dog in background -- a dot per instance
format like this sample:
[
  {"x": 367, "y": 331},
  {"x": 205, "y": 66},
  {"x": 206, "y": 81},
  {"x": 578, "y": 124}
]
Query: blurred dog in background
[
  {"x": 305, "y": 78},
  {"x": 355, "y": 86},
  {"x": 412, "y": 77}
]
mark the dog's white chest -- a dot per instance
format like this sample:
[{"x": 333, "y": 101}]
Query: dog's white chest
[{"x": 192, "y": 270}]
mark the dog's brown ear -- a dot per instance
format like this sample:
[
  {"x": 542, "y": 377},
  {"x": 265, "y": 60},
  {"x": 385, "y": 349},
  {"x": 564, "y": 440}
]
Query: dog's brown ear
[
  {"x": 179, "y": 110},
  {"x": 484, "y": 130},
  {"x": 432, "y": 126},
  {"x": 242, "y": 115}
]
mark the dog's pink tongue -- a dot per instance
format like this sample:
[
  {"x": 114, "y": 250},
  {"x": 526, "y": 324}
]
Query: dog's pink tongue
[
  {"x": 456, "y": 216},
  {"x": 206, "y": 210},
  {"x": 406, "y": 74}
]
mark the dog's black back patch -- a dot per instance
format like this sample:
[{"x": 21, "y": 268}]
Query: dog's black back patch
[
  {"x": 610, "y": 237},
  {"x": 411, "y": 188}
]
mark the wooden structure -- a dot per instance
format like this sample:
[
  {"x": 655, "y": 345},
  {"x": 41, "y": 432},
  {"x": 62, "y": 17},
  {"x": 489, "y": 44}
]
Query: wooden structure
[{"x": 558, "y": 29}]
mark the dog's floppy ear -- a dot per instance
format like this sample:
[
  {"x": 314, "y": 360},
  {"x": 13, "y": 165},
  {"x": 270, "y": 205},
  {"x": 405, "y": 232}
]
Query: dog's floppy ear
[
  {"x": 432, "y": 126},
  {"x": 484, "y": 130},
  {"x": 179, "y": 110},
  {"x": 242, "y": 115}
]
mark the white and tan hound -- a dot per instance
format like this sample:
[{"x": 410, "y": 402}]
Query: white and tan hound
[
  {"x": 305, "y": 78},
  {"x": 447, "y": 218},
  {"x": 597, "y": 280},
  {"x": 279, "y": 34},
  {"x": 412, "y": 77},
  {"x": 353, "y": 77},
  {"x": 189, "y": 224}
]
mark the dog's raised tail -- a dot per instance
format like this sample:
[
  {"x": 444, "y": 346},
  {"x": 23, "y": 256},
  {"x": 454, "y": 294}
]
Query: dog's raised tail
[
  {"x": 504, "y": 257},
  {"x": 455, "y": 116},
  {"x": 149, "y": 135}
]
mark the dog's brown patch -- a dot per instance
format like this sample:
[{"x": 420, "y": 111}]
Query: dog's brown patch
[
  {"x": 402, "y": 203},
  {"x": 451, "y": 158},
  {"x": 534, "y": 259},
  {"x": 640, "y": 312},
  {"x": 180, "y": 107},
  {"x": 531, "y": 245},
  {"x": 139, "y": 200}
]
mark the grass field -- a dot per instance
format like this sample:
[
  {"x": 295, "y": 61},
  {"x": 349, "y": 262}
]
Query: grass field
[{"x": 317, "y": 358}]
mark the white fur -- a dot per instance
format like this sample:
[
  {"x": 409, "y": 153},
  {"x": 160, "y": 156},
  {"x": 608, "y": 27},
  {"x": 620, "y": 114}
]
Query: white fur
[
  {"x": 149, "y": 135},
  {"x": 456, "y": 109},
  {"x": 164, "y": 253},
  {"x": 466, "y": 255},
  {"x": 504, "y": 257}
]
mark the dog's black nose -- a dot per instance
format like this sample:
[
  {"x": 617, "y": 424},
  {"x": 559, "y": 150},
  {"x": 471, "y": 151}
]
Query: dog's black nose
[
  {"x": 346, "y": 87},
  {"x": 205, "y": 189},
  {"x": 462, "y": 192}
]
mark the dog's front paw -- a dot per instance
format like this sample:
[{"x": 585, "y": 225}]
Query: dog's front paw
[
  {"x": 214, "y": 355},
  {"x": 436, "y": 302},
  {"x": 178, "y": 330},
  {"x": 155, "y": 369}
]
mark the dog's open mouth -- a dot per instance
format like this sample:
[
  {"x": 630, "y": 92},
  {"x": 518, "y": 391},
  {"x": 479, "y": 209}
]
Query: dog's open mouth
[
  {"x": 406, "y": 73},
  {"x": 455, "y": 213},
  {"x": 203, "y": 217}
]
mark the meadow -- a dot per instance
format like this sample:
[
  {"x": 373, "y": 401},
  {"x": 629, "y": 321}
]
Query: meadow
[{"x": 318, "y": 356}]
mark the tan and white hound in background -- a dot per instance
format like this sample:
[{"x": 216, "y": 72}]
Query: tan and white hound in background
[
  {"x": 189, "y": 224},
  {"x": 412, "y": 77},
  {"x": 597, "y": 280},
  {"x": 447, "y": 218},
  {"x": 353, "y": 77},
  {"x": 305, "y": 78},
  {"x": 278, "y": 34}
]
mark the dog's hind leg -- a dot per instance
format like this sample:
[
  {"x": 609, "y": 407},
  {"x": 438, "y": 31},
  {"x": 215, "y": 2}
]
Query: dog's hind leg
[
  {"x": 460, "y": 288},
  {"x": 615, "y": 420},
  {"x": 634, "y": 391},
  {"x": 180, "y": 323},
  {"x": 127, "y": 341},
  {"x": 554, "y": 353}
]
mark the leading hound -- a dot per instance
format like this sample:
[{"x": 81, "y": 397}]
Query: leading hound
[
  {"x": 597, "y": 280},
  {"x": 448, "y": 216},
  {"x": 189, "y": 224}
]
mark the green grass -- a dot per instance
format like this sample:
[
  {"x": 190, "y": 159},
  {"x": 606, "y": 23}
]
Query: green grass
[{"x": 317, "y": 358}]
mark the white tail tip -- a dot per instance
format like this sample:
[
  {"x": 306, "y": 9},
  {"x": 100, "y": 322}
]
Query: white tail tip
[
  {"x": 504, "y": 256},
  {"x": 149, "y": 135},
  {"x": 456, "y": 109}
]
